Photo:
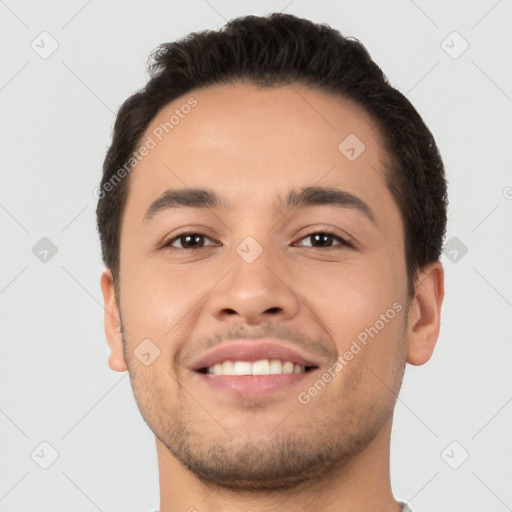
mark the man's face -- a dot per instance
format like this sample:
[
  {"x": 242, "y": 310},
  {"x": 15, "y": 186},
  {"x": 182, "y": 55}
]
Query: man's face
[{"x": 253, "y": 274}]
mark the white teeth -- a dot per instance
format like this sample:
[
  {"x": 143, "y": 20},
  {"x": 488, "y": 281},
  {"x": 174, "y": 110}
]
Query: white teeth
[
  {"x": 288, "y": 367},
  {"x": 261, "y": 367},
  {"x": 228, "y": 368},
  {"x": 276, "y": 367},
  {"x": 242, "y": 368}
]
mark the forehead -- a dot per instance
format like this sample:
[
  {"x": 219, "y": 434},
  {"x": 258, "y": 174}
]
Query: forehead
[{"x": 253, "y": 144}]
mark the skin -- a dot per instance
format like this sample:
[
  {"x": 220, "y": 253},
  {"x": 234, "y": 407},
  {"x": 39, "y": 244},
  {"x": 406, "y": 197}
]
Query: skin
[{"x": 249, "y": 144}]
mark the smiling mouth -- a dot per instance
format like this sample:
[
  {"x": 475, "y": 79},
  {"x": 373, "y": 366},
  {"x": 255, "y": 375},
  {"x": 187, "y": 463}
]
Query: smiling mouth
[{"x": 261, "y": 367}]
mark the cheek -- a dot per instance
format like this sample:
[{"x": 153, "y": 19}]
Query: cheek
[
  {"x": 363, "y": 309},
  {"x": 161, "y": 302}
]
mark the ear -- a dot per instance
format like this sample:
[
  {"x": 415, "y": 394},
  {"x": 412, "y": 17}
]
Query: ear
[
  {"x": 112, "y": 321},
  {"x": 424, "y": 315}
]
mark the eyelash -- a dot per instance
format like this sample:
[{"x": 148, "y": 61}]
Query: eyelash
[{"x": 344, "y": 242}]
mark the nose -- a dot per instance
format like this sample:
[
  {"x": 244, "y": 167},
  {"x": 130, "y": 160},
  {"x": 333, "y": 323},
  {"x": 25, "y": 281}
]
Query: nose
[{"x": 253, "y": 293}]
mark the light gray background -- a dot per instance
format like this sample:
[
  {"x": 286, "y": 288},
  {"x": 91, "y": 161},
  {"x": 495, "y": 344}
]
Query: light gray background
[{"x": 56, "y": 120}]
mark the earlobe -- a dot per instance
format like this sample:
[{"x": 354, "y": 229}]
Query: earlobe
[
  {"x": 424, "y": 315},
  {"x": 112, "y": 323}
]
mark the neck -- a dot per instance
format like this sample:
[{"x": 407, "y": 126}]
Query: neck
[{"x": 361, "y": 484}]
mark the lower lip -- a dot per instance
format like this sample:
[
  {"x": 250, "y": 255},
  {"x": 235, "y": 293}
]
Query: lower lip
[{"x": 253, "y": 386}]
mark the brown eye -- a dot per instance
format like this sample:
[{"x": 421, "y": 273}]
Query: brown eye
[
  {"x": 188, "y": 241},
  {"x": 324, "y": 239}
]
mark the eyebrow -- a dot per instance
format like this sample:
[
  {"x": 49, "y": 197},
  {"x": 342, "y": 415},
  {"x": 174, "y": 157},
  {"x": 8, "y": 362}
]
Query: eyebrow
[{"x": 306, "y": 197}]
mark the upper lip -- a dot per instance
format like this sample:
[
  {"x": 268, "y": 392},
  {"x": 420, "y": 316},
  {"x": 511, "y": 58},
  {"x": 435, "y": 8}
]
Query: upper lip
[{"x": 251, "y": 350}]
